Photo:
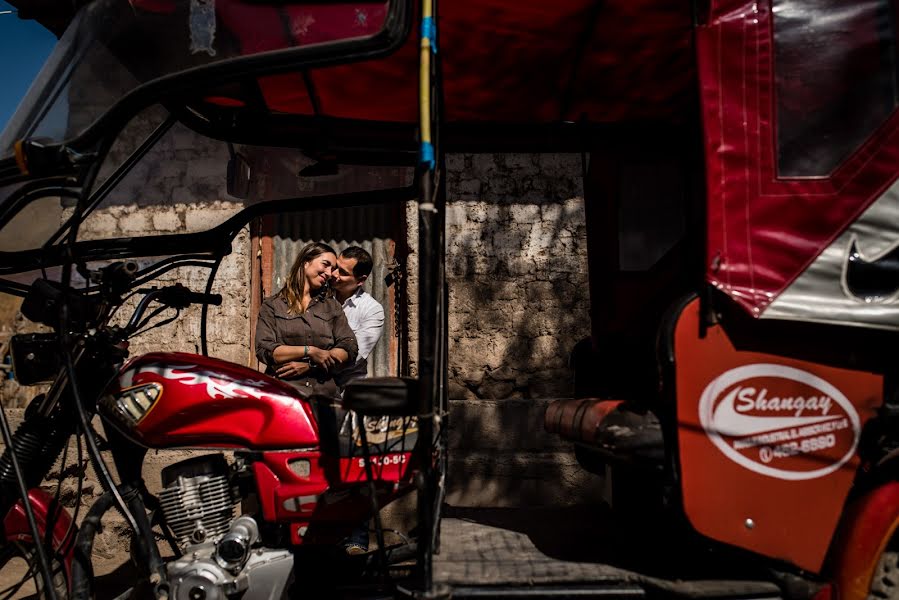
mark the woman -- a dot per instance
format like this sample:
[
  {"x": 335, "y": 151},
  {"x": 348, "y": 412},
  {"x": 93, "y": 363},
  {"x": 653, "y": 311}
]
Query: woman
[{"x": 302, "y": 334}]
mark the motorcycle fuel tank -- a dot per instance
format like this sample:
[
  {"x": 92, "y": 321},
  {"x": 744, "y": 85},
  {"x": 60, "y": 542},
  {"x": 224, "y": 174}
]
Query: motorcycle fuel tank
[{"x": 174, "y": 399}]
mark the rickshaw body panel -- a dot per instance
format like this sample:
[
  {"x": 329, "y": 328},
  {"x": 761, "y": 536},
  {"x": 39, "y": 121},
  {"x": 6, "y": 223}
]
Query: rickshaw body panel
[
  {"x": 870, "y": 522},
  {"x": 767, "y": 444},
  {"x": 792, "y": 181}
]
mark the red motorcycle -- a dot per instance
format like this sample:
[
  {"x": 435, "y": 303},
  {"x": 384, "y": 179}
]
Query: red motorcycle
[{"x": 303, "y": 475}]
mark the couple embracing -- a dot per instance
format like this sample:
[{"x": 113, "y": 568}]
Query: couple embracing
[{"x": 318, "y": 331}]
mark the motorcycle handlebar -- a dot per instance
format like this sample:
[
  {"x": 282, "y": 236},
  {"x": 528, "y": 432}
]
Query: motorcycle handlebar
[
  {"x": 174, "y": 296},
  {"x": 119, "y": 273},
  {"x": 178, "y": 296}
]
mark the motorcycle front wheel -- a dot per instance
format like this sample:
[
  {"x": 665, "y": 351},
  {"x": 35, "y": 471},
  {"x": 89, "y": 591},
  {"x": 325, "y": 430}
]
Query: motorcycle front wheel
[{"x": 20, "y": 575}]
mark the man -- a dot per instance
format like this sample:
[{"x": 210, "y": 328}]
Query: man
[
  {"x": 366, "y": 317},
  {"x": 365, "y": 314}
]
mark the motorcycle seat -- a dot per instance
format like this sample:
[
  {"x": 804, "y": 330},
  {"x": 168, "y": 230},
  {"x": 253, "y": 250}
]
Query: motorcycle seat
[{"x": 340, "y": 435}]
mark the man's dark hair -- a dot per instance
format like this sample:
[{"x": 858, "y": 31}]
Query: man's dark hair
[{"x": 363, "y": 260}]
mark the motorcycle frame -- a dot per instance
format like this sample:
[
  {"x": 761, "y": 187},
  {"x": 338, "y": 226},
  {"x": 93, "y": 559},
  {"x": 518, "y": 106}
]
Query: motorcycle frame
[{"x": 214, "y": 244}]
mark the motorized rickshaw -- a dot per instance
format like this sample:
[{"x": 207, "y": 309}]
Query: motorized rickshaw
[{"x": 740, "y": 160}]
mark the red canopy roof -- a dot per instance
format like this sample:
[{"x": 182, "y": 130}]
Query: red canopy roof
[
  {"x": 522, "y": 61},
  {"x": 510, "y": 61}
]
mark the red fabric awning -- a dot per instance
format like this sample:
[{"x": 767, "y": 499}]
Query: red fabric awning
[{"x": 520, "y": 61}]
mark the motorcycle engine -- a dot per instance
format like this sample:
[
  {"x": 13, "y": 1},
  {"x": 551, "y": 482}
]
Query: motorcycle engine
[
  {"x": 196, "y": 499},
  {"x": 222, "y": 557}
]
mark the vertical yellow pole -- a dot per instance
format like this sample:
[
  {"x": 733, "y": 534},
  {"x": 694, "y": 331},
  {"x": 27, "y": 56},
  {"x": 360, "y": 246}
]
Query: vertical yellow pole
[{"x": 424, "y": 76}]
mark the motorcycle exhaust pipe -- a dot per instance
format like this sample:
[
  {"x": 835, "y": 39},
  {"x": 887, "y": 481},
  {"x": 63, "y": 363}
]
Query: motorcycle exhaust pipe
[{"x": 233, "y": 550}]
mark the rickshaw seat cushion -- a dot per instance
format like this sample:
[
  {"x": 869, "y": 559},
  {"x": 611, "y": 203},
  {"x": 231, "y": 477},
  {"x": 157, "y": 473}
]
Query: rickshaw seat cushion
[{"x": 578, "y": 420}]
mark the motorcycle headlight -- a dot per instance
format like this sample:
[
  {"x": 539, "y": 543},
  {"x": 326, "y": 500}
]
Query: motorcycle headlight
[{"x": 134, "y": 403}]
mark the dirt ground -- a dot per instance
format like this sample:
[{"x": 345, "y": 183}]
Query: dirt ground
[{"x": 113, "y": 577}]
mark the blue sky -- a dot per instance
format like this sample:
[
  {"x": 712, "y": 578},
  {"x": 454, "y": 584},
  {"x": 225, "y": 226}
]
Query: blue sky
[{"x": 24, "y": 46}]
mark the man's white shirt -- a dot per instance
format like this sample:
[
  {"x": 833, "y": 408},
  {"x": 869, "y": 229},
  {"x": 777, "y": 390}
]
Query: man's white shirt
[{"x": 366, "y": 318}]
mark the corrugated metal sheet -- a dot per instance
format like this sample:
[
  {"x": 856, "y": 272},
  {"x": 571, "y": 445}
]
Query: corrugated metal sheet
[{"x": 375, "y": 228}]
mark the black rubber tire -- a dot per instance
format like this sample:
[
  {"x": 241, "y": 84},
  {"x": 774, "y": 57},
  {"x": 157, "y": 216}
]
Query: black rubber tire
[
  {"x": 25, "y": 551},
  {"x": 885, "y": 583}
]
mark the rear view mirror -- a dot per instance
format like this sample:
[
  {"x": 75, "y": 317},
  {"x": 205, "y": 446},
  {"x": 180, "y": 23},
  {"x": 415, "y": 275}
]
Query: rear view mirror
[
  {"x": 35, "y": 357},
  {"x": 239, "y": 175},
  {"x": 382, "y": 396}
]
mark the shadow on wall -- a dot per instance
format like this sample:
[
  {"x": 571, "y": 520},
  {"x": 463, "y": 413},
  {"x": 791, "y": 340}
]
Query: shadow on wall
[
  {"x": 519, "y": 302},
  {"x": 517, "y": 273}
]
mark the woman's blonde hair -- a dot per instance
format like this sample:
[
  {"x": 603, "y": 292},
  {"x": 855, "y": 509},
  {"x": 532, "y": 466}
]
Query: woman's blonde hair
[{"x": 293, "y": 290}]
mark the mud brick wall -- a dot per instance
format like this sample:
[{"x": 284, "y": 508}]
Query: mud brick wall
[
  {"x": 518, "y": 303},
  {"x": 517, "y": 272},
  {"x": 179, "y": 187},
  {"x": 228, "y": 325}
]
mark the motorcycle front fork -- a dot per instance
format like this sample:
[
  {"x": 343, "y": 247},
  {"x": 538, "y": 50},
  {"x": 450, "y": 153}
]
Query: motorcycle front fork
[{"x": 128, "y": 458}]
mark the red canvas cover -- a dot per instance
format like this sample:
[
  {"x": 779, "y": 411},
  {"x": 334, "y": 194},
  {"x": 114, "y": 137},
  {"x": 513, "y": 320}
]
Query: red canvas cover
[
  {"x": 799, "y": 145},
  {"x": 516, "y": 61}
]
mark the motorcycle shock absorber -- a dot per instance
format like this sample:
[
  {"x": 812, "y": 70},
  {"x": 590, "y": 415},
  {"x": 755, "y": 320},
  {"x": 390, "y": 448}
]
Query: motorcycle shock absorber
[
  {"x": 145, "y": 553},
  {"x": 38, "y": 442}
]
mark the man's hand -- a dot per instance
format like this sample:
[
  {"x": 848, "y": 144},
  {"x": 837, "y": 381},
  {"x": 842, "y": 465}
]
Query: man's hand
[
  {"x": 292, "y": 369},
  {"x": 322, "y": 358},
  {"x": 338, "y": 355}
]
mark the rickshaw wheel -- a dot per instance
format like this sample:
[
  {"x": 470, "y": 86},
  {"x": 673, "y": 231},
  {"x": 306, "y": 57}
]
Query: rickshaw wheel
[
  {"x": 885, "y": 583},
  {"x": 20, "y": 575}
]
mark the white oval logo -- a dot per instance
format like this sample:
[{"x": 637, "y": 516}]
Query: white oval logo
[{"x": 779, "y": 421}]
